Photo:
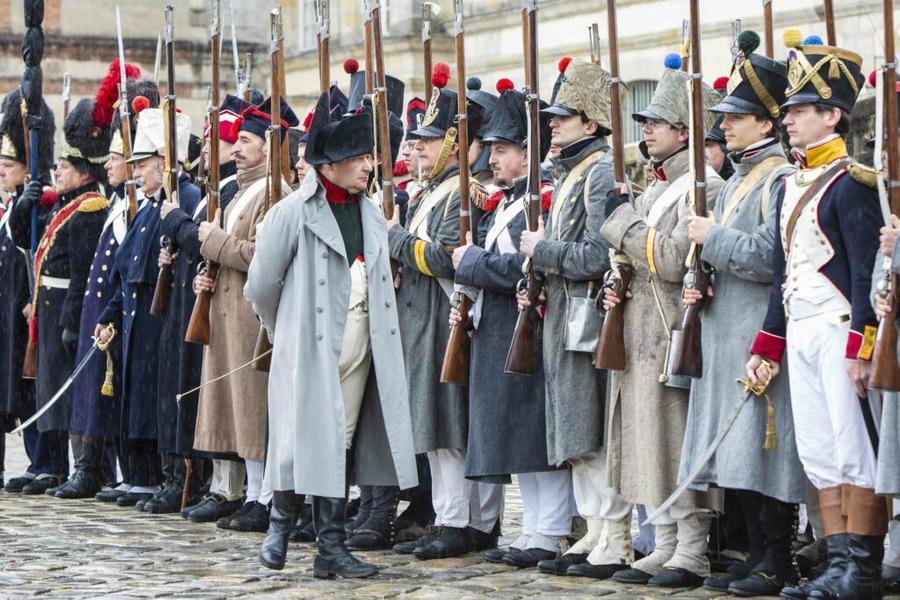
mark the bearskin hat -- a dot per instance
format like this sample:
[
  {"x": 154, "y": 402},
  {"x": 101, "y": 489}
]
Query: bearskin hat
[{"x": 13, "y": 140}]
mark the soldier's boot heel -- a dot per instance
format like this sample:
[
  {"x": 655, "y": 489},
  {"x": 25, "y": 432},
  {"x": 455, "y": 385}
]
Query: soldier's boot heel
[{"x": 332, "y": 557}]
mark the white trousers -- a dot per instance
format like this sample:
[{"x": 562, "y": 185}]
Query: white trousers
[
  {"x": 459, "y": 502},
  {"x": 546, "y": 498},
  {"x": 353, "y": 367},
  {"x": 832, "y": 440},
  {"x": 593, "y": 497},
  {"x": 258, "y": 487},
  {"x": 227, "y": 479}
]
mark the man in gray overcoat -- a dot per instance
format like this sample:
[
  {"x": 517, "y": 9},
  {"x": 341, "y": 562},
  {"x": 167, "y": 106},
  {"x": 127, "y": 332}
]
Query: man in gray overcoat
[
  {"x": 648, "y": 417},
  {"x": 573, "y": 258},
  {"x": 764, "y": 471},
  {"x": 320, "y": 283}
]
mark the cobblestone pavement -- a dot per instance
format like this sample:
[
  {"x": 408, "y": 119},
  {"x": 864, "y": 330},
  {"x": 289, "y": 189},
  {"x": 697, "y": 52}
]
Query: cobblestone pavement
[{"x": 85, "y": 549}]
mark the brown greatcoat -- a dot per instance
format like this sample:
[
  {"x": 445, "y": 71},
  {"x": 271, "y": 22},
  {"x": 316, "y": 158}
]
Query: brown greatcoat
[
  {"x": 648, "y": 419},
  {"x": 232, "y": 412}
]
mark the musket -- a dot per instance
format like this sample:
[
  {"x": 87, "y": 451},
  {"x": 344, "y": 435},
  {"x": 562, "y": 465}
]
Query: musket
[
  {"x": 520, "y": 356},
  {"x": 236, "y": 62},
  {"x": 282, "y": 93},
  {"x": 323, "y": 20},
  {"x": 165, "y": 280},
  {"x": 594, "y": 36},
  {"x": 248, "y": 76},
  {"x": 367, "y": 47},
  {"x": 429, "y": 9},
  {"x": 198, "y": 326},
  {"x": 66, "y": 94},
  {"x": 830, "y": 34},
  {"x": 685, "y": 44},
  {"x": 686, "y": 343},
  {"x": 736, "y": 29},
  {"x": 125, "y": 123},
  {"x": 380, "y": 106},
  {"x": 262, "y": 351},
  {"x": 456, "y": 357},
  {"x": 32, "y": 100},
  {"x": 769, "y": 26},
  {"x": 611, "y": 347},
  {"x": 885, "y": 370}
]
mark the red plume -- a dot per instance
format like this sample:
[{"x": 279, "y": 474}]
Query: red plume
[
  {"x": 564, "y": 63},
  {"x": 720, "y": 83},
  {"x": 873, "y": 77},
  {"x": 440, "y": 75},
  {"x": 139, "y": 103},
  {"x": 351, "y": 66},
  {"x": 504, "y": 85},
  {"x": 108, "y": 93},
  {"x": 307, "y": 122}
]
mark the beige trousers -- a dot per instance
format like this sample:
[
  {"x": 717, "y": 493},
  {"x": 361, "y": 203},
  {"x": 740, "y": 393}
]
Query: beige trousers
[{"x": 356, "y": 351}]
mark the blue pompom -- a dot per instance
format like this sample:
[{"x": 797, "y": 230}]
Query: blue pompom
[
  {"x": 673, "y": 61},
  {"x": 813, "y": 40}
]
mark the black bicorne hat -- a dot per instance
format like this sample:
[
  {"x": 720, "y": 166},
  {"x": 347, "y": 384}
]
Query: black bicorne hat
[
  {"x": 819, "y": 74},
  {"x": 395, "y": 88},
  {"x": 509, "y": 120},
  {"x": 440, "y": 116},
  {"x": 330, "y": 141},
  {"x": 757, "y": 83},
  {"x": 13, "y": 133}
]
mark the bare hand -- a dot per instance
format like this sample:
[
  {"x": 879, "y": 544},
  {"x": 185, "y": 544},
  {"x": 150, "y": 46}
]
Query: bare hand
[
  {"x": 26, "y": 311},
  {"x": 394, "y": 218},
  {"x": 166, "y": 207},
  {"x": 461, "y": 250},
  {"x": 760, "y": 371},
  {"x": 882, "y": 307},
  {"x": 888, "y": 237},
  {"x": 530, "y": 239},
  {"x": 690, "y": 296},
  {"x": 455, "y": 317},
  {"x": 164, "y": 257},
  {"x": 698, "y": 228},
  {"x": 859, "y": 373},
  {"x": 103, "y": 333},
  {"x": 610, "y": 299},
  {"x": 202, "y": 283}
]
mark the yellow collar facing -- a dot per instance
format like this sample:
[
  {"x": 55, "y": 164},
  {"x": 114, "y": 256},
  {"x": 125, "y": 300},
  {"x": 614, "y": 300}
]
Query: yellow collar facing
[{"x": 825, "y": 152}]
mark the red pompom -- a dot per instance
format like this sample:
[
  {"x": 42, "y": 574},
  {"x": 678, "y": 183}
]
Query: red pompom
[
  {"x": 307, "y": 122},
  {"x": 440, "y": 75},
  {"x": 873, "y": 77},
  {"x": 139, "y": 103},
  {"x": 351, "y": 66},
  {"x": 546, "y": 197},
  {"x": 720, "y": 83},
  {"x": 108, "y": 93},
  {"x": 400, "y": 169},
  {"x": 564, "y": 63},
  {"x": 49, "y": 196},
  {"x": 505, "y": 84},
  {"x": 236, "y": 126},
  {"x": 494, "y": 201}
]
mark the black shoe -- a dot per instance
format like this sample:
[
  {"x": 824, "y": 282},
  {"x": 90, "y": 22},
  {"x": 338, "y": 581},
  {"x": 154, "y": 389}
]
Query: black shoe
[
  {"x": 484, "y": 541},
  {"x": 560, "y": 566},
  {"x": 529, "y": 558},
  {"x": 410, "y": 546},
  {"x": 83, "y": 484},
  {"x": 304, "y": 532},
  {"x": 838, "y": 560},
  {"x": 253, "y": 520},
  {"x": 166, "y": 502},
  {"x": 758, "y": 583},
  {"x": 225, "y": 522},
  {"x": 212, "y": 508},
  {"x": 496, "y": 555},
  {"x": 862, "y": 577},
  {"x": 332, "y": 558},
  {"x": 363, "y": 510},
  {"x": 632, "y": 576},
  {"x": 720, "y": 583},
  {"x": 110, "y": 495},
  {"x": 51, "y": 491},
  {"x": 674, "y": 577},
  {"x": 285, "y": 510},
  {"x": 15, "y": 485},
  {"x": 586, "y": 569},
  {"x": 449, "y": 542},
  {"x": 131, "y": 499},
  {"x": 40, "y": 486},
  {"x": 892, "y": 586}
]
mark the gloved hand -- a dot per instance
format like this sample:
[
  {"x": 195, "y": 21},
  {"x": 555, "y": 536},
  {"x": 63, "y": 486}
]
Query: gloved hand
[
  {"x": 30, "y": 196},
  {"x": 70, "y": 341},
  {"x": 614, "y": 201}
]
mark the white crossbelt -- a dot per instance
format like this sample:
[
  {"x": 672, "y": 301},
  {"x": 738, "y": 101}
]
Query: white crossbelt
[{"x": 54, "y": 282}]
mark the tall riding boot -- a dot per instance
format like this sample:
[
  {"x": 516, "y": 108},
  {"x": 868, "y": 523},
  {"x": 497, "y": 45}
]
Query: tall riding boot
[
  {"x": 379, "y": 530},
  {"x": 285, "y": 510},
  {"x": 332, "y": 556},
  {"x": 85, "y": 482},
  {"x": 365, "y": 508},
  {"x": 867, "y": 523},
  {"x": 751, "y": 507},
  {"x": 778, "y": 521},
  {"x": 834, "y": 522}
]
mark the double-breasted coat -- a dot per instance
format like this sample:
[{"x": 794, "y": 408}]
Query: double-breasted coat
[
  {"x": 572, "y": 255},
  {"x": 740, "y": 246},
  {"x": 440, "y": 415},
  {"x": 647, "y": 419},
  {"x": 299, "y": 284},
  {"x": 231, "y": 414}
]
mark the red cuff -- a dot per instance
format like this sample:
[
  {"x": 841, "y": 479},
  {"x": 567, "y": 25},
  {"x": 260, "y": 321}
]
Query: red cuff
[
  {"x": 768, "y": 346},
  {"x": 860, "y": 346}
]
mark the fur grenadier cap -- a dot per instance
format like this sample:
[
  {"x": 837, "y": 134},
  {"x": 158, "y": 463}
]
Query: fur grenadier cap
[{"x": 12, "y": 146}]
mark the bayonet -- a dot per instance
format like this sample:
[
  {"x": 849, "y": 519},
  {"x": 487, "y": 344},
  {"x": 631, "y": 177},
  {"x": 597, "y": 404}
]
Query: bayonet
[
  {"x": 125, "y": 122},
  {"x": 66, "y": 94}
]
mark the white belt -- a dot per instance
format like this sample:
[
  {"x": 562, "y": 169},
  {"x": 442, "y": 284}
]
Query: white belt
[{"x": 54, "y": 282}]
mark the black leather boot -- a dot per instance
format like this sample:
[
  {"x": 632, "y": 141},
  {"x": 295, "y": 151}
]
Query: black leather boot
[
  {"x": 778, "y": 522},
  {"x": 448, "y": 543},
  {"x": 862, "y": 578},
  {"x": 751, "y": 507},
  {"x": 285, "y": 510},
  {"x": 838, "y": 558},
  {"x": 332, "y": 557},
  {"x": 379, "y": 531},
  {"x": 168, "y": 499},
  {"x": 86, "y": 481},
  {"x": 365, "y": 509}
]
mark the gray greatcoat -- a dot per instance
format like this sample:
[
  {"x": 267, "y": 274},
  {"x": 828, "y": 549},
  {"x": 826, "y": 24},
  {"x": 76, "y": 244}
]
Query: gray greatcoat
[
  {"x": 887, "y": 477},
  {"x": 647, "y": 419},
  {"x": 571, "y": 255},
  {"x": 439, "y": 410},
  {"x": 299, "y": 286},
  {"x": 740, "y": 249}
]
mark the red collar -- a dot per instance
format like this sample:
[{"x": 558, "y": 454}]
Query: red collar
[
  {"x": 659, "y": 171},
  {"x": 335, "y": 193}
]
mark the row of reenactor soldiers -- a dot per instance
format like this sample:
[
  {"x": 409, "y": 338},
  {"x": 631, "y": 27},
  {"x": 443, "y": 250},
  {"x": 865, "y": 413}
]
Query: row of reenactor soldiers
[{"x": 357, "y": 397}]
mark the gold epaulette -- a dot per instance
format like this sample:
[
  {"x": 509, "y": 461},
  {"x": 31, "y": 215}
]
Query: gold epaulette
[
  {"x": 867, "y": 176},
  {"x": 93, "y": 204}
]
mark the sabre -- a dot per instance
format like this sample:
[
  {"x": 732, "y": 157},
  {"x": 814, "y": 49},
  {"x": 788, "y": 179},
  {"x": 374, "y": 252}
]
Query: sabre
[{"x": 97, "y": 347}]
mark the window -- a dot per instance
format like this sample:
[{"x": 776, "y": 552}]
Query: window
[
  {"x": 308, "y": 27},
  {"x": 640, "y": 93}
]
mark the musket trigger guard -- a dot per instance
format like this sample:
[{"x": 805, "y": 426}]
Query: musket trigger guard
[{"x": 203, "y": 267}]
